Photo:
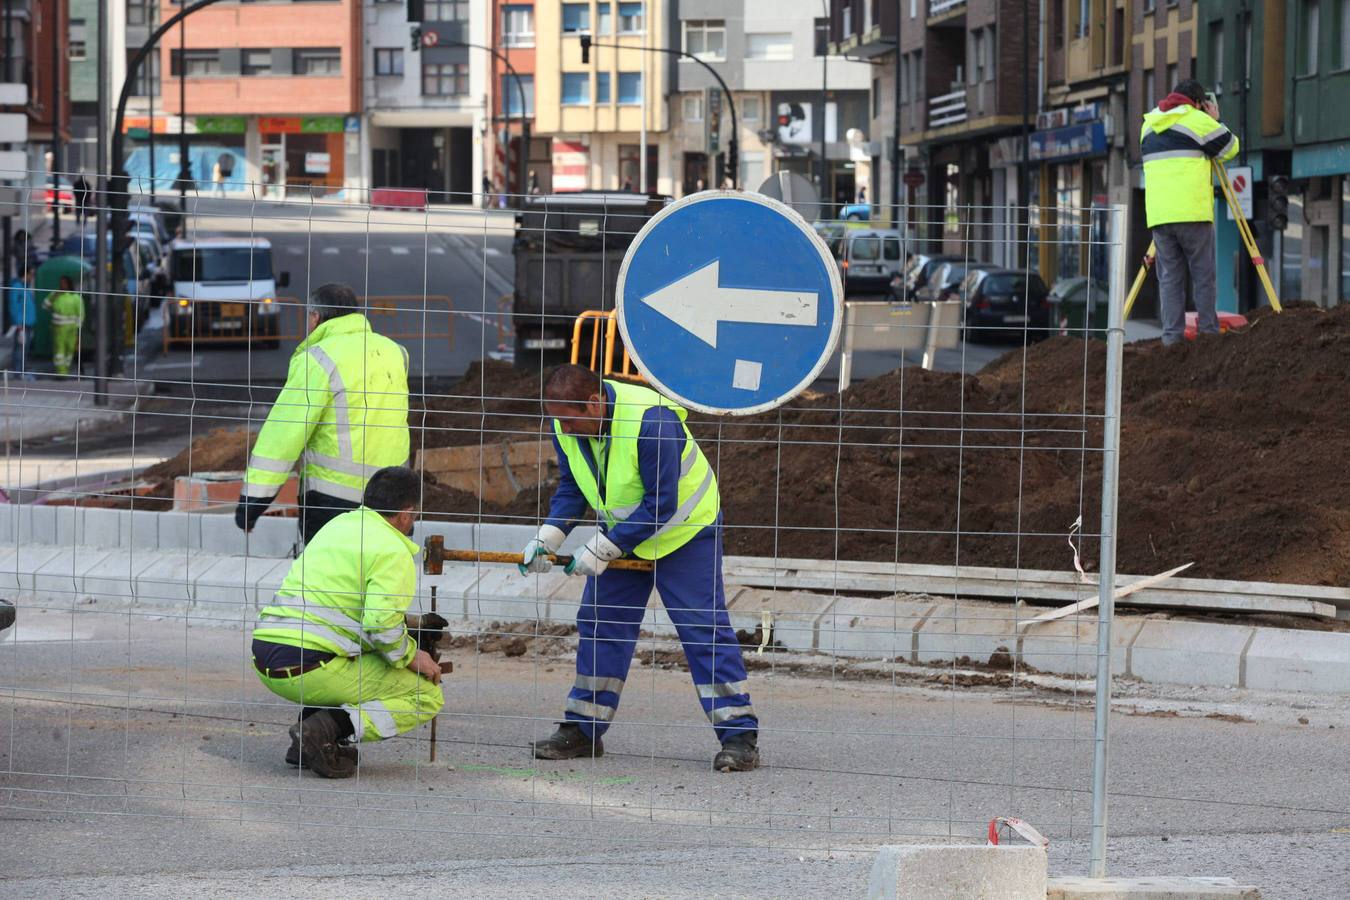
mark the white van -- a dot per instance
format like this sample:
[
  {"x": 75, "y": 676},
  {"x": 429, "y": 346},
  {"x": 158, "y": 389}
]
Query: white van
[{"x": 223, "y": 289}]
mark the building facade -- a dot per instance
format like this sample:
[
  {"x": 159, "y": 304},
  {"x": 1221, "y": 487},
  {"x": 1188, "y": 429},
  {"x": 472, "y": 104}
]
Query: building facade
[
  {"x": 261, "y": 119},
  {"x": 795, "y": 104},
  {"x": 513, "y": 34},
  {"x": 1279, "y": 68},
  {"x": 37, "y": 57},
  {"x": 425, "y": 93}
]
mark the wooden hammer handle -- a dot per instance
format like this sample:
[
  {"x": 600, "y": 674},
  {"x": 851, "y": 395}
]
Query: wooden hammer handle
[{"x": 636, "y": 565}]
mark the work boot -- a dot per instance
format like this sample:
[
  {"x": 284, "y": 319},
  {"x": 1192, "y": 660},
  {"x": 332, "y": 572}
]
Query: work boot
[
  {"x": 316, "y": 736},
  {"x": 347, "y": 751},
  {"x": 739, "y": 753},
  {"x": 568, "y": 742}
]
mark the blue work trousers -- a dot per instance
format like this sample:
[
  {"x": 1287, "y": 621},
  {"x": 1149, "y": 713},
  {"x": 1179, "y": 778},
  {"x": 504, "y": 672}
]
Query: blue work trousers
[{"x": 689, "y": 581}]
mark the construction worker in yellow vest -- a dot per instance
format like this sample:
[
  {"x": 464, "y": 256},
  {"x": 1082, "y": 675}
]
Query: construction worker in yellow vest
[
  {"x": 625, "y": 452},
  {"x": 67, "y": 309},
  {"x": 343, "y": 414},
  {"x": 335, "y": 638}
]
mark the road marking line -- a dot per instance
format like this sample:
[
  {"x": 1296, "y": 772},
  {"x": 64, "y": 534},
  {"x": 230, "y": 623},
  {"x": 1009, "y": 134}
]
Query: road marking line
[
  {"x": 438, "y": 251},
  {"x": 399, "y": 251},
  {"x": 330, "y": 251}
]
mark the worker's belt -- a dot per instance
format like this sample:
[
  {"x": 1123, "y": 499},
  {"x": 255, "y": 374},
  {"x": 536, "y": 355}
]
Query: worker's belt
[{"x": 292, "y": 671}]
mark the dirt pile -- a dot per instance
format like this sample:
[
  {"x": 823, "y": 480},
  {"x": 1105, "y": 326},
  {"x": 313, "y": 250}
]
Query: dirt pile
[{"x": 219, "y": 450}]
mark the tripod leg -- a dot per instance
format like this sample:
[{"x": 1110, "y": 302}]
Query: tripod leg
[{"x": 1149, "y": 257}]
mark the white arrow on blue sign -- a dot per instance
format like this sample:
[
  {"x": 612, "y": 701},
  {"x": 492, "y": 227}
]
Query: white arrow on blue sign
[{"x": 729, "y": 303}]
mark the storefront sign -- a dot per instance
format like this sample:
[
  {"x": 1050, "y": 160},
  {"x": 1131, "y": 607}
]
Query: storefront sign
[
  {"x": 1069, "y": 142},
  {"x": 134, "y": 125},
  {"x": 317, "y": 163},
  {"x": 352, "y": 124},
  {"x": 301, "y": 124},
  {"x": 221, "y": 125},
  {"x": 570, "y": 164}
]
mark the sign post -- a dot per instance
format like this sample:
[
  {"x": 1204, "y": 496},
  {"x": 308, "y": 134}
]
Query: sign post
[{"x": 729, "y": 302}]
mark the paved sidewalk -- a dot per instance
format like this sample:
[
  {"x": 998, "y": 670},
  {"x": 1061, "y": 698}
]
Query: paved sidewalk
[{"x": 61, "y": 405}]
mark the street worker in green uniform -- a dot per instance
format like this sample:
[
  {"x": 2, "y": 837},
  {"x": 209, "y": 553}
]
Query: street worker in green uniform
[
  {"x": 624, "y": 451},
  {"x": 343, "y": 414},
  {"x": 67, "y": 308},
  {"x": 1178, "y": 140},
  {"x": 335, "y": 638}
]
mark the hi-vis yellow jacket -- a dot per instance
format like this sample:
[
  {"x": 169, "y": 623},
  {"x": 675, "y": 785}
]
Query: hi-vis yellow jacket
[
  {"x": 1177, "y": 146},
  {"x": 345, "y": 406},
  {"x": 347, "y": 592}
]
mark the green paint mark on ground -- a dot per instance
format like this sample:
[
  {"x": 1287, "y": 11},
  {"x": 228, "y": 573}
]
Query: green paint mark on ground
[{"x": 527, "y": 773}]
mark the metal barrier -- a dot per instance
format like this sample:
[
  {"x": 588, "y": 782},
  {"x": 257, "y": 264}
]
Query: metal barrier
[{"x": 602, "y": 362}]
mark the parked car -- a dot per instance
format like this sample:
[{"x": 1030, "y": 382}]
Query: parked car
[
  {"x": 833, "y": 234},
  {"x": 149, "y": 218},
  {"x": 946, "y": 281},
  {"x": 856, "y": 212},
  {"x": 869, "y": 258},
  {"x": 1006, "y": 303}
]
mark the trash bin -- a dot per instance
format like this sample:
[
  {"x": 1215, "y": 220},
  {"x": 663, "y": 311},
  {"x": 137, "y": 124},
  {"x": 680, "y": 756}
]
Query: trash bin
[{"x": 1076, "y": 307}]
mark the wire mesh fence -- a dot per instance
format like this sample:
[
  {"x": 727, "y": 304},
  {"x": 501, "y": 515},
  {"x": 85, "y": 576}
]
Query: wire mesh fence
[{"x": 878, "y": 541}]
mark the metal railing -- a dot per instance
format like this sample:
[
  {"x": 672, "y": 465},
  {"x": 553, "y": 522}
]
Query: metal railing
[
  {"x": 938, "y": 7},
  {"x": 948, "y": 109}
]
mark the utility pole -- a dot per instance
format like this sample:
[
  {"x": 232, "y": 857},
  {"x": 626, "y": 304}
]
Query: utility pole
[
  {"x": 1024, "y": 170},
  {"x": 7, "y": 76},
  {"x": 896, "y": 221},
  {"x": 56, "y": 122},
  {"x": 184, "y": 165},
  {"x": 103, "y": 361},
  {"x": 642, "y": 83},
  {"x": 825, "y": 201}
]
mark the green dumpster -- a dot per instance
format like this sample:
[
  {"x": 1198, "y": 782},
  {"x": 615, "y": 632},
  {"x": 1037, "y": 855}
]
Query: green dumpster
[{"x": 1079, "y": 303}]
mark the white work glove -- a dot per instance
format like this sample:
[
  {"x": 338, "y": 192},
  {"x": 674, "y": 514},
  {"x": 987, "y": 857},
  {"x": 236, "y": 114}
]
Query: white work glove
[
  {"x": 594, "y": 557},
  {"x": 535, "y": 556}
]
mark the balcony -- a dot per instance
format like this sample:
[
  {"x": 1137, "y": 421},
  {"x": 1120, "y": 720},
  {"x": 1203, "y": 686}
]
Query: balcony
[
  {"x": 946, "y": 12},
  {"x": 949, "y": 109}
]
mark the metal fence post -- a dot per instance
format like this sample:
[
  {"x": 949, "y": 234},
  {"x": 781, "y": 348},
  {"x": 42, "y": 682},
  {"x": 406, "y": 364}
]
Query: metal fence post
[{"x": 1115, "y": 343}]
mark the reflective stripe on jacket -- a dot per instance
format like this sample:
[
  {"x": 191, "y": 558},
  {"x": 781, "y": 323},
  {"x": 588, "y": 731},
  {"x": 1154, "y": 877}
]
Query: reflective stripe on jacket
[
  {"x": 1177, "y": 146},
  {"x": 347, "y": 592},
  {"x": 344, "y": 406},
  {"x": 67, "y": 307},
  {"x": 616, "y": 456}
]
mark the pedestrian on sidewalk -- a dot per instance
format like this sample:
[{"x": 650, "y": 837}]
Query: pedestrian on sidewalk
[
  {"x": 625, "y": 452},
  {"x": 21, "y": 304},
  {"x": 342, "y": 414},
  {"x": 67, "y": 308},
  {"x": 1178, "y": 139},
  {"x": 81, "y": 191},
  {"x": 335, "y": 638}
]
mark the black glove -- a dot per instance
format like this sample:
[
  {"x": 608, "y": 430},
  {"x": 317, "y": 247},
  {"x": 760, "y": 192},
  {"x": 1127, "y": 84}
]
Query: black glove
[
  {"x": 427, "y": 629},
  {"x": 249, "y": 511}
]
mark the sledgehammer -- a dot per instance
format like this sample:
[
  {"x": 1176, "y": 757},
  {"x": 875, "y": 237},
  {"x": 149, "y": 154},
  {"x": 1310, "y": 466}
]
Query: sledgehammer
[{"x": 442, "y": 555}]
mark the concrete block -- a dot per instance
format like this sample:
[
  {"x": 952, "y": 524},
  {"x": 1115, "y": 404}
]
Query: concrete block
[
  {"x": 42, "y": 524},
  {"x": 958, "y": 872},
  {"x": 954, "y": 630},
  {"x": 1281, "y": 659},
  {"x": 138, "y": 529},
  {"x": 70, "y": 525},
  {"x": 179, "y": 531},
  {"x": 453, "y": 589},
  {"x": 1068, "y": 646},
  {"x": 1161, "y": 888},
  {"x": 492, "y": 536},
  {"x": 221, "y": 536},
  {"x": 874, "y": 627},
  {"x": 565, "y": 599},
  {"x": 272, "y": 537},
  {"x": 1189, "y": 652},
  {"x": 267, "y": 582},
  {"x": 60, "y": 580},
  {"x": 9, "y": 514},
  {"x": 19, "y": 566},
  {"x": 113, "y": 578},
  {"x": 796, "y": 615},
  {"x": 502, "y": 594},
  {"x": 102, "y": 528},
  {"x": 226, "y": 590},
  {"x": 168, "y": 579}
]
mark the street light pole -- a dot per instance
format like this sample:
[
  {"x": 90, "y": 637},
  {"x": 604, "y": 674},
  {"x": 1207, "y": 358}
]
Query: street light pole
[
  {"x": 733, "y": 146},
  {"x": 184, "y": 165},
  {"x": 56, "y": 125}
]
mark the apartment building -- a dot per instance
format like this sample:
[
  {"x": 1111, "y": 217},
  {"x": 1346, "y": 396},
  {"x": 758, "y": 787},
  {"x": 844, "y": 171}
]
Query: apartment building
[
  {"x": 512, "y": 32},
  {"x": 1280, "y": 68},
  {"x": 37, "y": 57},
  {"x": 797, "y": 107},
  {"x": 425, "y": 86},
  {"x": 268, "y": 106}
]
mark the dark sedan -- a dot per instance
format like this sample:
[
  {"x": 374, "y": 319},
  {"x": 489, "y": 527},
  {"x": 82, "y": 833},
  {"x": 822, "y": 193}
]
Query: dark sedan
[{"x": 1007, "y": 304}]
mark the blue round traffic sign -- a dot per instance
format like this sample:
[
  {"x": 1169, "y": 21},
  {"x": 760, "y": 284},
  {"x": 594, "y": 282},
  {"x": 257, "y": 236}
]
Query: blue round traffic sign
[{"x": 729, "y": 302}]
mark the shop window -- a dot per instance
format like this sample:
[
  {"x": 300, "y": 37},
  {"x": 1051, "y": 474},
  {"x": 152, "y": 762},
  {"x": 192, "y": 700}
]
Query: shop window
[{"x": 317, "y": 61}]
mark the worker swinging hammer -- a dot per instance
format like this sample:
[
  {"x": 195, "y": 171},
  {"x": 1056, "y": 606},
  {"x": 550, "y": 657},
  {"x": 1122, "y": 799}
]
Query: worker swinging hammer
[{"x": 625, "y": 451}]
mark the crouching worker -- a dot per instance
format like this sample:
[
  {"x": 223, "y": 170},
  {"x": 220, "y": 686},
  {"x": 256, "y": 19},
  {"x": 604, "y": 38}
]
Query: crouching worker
[{"x": 335, "y": 639}]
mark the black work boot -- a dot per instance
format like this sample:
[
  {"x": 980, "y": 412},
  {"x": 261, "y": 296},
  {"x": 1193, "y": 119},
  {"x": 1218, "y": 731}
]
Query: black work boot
[
  {"x": 347, "y": 751},
  {"x": 568, "y": 742},
  {"x": 739, "y": 753},
  {"x": 316, "y": 736}
]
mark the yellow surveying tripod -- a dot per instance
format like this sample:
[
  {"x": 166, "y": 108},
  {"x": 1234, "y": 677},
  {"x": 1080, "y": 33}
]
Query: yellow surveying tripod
[{"x": 1243, "y": 229}]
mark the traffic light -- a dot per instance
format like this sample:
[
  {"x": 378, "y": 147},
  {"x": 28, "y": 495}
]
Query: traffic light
[
  {"x": 1277, "y": 204},
  {"x": 585, "y": 49},
  {"x": 416, "y": 42}
]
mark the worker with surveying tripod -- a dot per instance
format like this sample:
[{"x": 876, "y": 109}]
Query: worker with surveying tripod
[{"x": 1178, "y": 140}]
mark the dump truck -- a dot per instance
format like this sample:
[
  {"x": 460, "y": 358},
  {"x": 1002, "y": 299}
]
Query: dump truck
[{"x": 568, "y": 249}]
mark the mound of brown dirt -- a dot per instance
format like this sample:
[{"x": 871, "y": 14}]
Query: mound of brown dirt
[
  {"x": 492, "y": 403},
  {"x": 219, "y": 450}
]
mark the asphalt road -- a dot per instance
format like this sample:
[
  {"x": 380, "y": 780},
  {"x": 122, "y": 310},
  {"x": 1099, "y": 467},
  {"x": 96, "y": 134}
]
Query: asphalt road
[
  {"x": 138, "y": 754},
  {"x": 435, "y": 280}
]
